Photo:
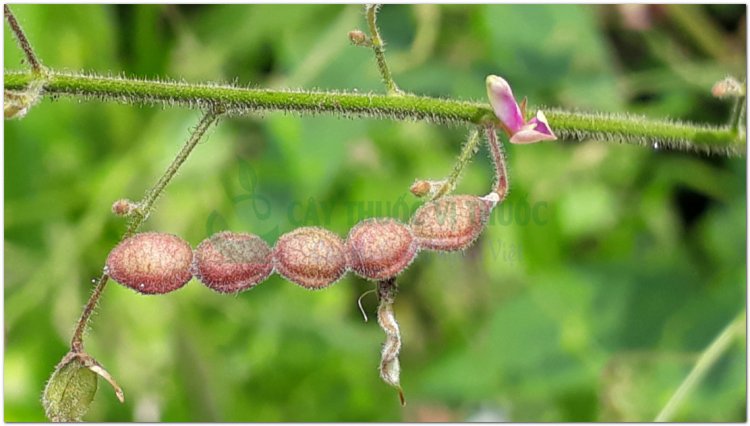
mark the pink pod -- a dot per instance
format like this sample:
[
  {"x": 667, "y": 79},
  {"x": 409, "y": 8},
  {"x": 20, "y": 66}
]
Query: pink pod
[
  {"x": 451, "y": 223},
  {"x": 311, "y": 257},
  {"x": 380, "y": 248},
  {"x": 230, "y": 262},
  {"x": 151, "y": 263}
]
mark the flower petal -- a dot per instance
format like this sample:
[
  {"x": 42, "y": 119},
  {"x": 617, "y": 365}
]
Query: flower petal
[
  {"x": 504, "y": 104},
  {"x": 536, "y": 130}
]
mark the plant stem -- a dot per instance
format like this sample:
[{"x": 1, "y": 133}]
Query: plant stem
[
  {"x": 23, "y": 42},
  {"x": 706, "y": 360},
  {"x": 498, "y": 160},
  {"x": 378, "y": 47},
  {"x": 572, "y": 126},
  {"x": 738, "y": 110},
  {"x": 468, "y": 151},
  {"x": 141, "y": 215}
]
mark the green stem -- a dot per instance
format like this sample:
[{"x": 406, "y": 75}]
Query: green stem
[
  {"x": 140, "y": 216},
  {"x": 738, "y": 110},
  {"x": 467, "y": 152},
  {"x": 706, "y": 360},
  {"x": 567, "y": 125},
  {"x": 378, "y": 48}
]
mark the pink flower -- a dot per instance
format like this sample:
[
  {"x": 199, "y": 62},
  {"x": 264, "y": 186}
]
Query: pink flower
[{"x": 507, "y": 110}]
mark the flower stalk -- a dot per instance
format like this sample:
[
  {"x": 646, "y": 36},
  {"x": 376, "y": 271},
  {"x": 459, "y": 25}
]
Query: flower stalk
[{"x": 376, "y": 42}]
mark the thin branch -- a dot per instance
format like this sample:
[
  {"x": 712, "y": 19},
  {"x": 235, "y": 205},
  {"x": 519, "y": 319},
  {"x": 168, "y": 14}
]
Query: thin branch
[
  {"x": 140, "y": 216},
  {"x": 738, "y": 113},
  {"x": 23, "y": 42},
  {"x": 498, "y": 160},
  {"x": 467, "y": 152},
  {"x": 572, "y": 126},
  {"x": 707, "y": 359},
  {"x": 378, "y": 47}
]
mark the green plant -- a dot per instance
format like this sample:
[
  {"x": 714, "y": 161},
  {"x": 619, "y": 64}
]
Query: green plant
[{"x": 25, "y": 89}]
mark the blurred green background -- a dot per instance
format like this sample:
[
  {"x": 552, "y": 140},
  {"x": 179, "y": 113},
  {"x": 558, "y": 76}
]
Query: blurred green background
[{"x": 594, "y": 311}]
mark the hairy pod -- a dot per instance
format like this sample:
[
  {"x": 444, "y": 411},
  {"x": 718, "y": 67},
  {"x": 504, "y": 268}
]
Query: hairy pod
[
  {"x": 380, "y": 248},
  {"x": 229, "y": 262},
  {"x": 451, "y": 223},
  {"x": 311, "y": 257},
  {"x": 151, "y": 263}
]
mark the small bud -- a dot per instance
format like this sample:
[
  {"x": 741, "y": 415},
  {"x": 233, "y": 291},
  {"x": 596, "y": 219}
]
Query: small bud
[
  {"x": 358, "y": 38},
  {"x": 311, "y": 257},
  {"x": 123, "y": 207},
  {"x": 728, "y": 87},
  {"x": 69, "y": 391},
  {"x": 230, "y": 262},
  {"x": 151, "y": 263},
  {"x": 380, "y": 248},
  {"x": 420, "y": 188},
  {"x": 451, "y": 223}
]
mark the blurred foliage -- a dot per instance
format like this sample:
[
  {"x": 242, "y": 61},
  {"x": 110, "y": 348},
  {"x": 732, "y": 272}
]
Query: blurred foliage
[{"x": 595, "y": 310}]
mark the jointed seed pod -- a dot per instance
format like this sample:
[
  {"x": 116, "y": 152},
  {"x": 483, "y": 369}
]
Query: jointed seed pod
[
  {"x": 151, "y": 263},
  {"x": 451, "y": 223},
  {"x": 311, "y": 257},
  {"x": 229, "y": 262},
  {"x": 380, "y": 248}
]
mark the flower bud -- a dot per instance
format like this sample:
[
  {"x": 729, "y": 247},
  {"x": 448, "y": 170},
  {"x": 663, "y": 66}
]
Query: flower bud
[
  {"x": 380, "y": 248},
  {"x": 311, "y": 257},
  {"x": 451, "y": 223},
  {"x": 123, "y": 207},
  {"x": 358, "y": 38},
  {"x": 420, "y": 188},
  {"x": 151, "y": 263},
  {"x": 728, "y": 87},
  {"x": 229, "y": 262}
]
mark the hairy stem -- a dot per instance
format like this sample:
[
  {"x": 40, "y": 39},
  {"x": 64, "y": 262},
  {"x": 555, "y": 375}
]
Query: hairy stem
[
  {"x": 572, "y": 126},
  {"x": 467, "y": 152},
  {"x": 139, "y": 216},
  {"x": 707, "y": 359},
  {"x": 498, "y": 160},
  {"x": 23, "y": 42},
  {"x": 378, "y": 47},
  {"x": 738, "y": 112}
]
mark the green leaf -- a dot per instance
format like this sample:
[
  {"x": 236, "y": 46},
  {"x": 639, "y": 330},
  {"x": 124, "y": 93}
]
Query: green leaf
[{"x": 69, "y": 391}]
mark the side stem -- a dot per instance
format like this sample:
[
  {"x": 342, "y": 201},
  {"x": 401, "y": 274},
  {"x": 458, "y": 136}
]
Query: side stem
[
  {"x": 498, "y": 159},
  {"x": 738, "y": 111},
  {"x": 706, "y": 360},
  {"x": 140, "y": 216},
  {"x": 23, "y": 42},
  {"x": 378, "y": 48},
  {"x": 467, "y": 152}
]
